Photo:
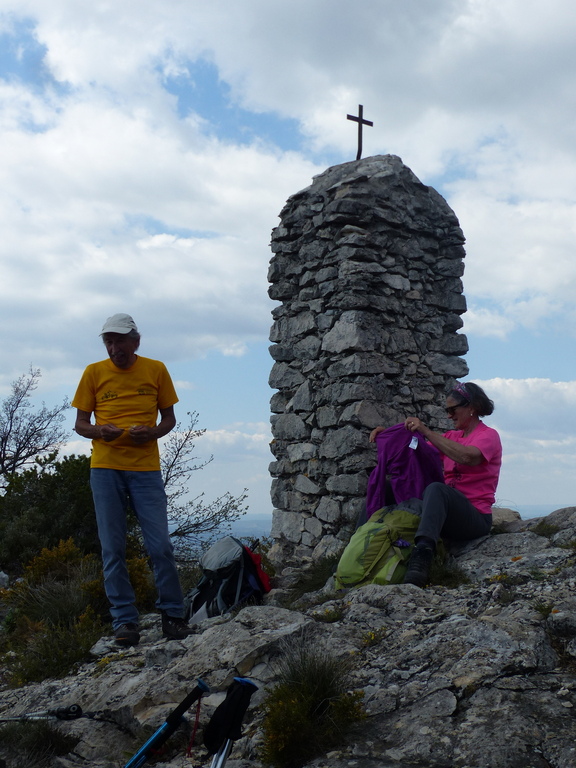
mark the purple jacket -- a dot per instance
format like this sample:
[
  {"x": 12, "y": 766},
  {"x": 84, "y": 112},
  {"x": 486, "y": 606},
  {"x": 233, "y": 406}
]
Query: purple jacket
[{"x": 409, "y": 462}]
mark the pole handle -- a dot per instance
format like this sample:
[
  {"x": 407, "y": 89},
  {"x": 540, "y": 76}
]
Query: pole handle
[
  {"x": 168, "y": 727},
  {"x": 73, "y": 712}
]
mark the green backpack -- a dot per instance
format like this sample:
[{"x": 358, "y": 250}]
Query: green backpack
[{"x": 379, "y": 550}]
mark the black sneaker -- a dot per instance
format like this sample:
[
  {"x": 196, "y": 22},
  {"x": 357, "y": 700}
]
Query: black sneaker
[
  {"x": 174, "y": 627},
  {"x": 127, "y": 635},
  {"x": 419, "y": 566}
]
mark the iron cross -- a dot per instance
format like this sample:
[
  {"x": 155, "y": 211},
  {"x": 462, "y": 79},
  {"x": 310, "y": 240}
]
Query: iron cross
[{"x": 360, "y": 120}]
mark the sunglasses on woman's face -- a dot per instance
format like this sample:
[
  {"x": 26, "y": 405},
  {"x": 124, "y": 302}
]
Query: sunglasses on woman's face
[{"x": 451, "y": 410}]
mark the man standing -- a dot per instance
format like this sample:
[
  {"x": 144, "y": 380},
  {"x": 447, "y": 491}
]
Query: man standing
[{"x": 125, "y": 393}]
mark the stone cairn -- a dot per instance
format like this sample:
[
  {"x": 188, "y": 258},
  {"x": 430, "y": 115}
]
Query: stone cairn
[{"x": 367, "y": 265}]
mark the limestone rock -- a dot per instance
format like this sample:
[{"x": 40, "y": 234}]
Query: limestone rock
[
  {"x": 478, "y": 676},
  {"x": 501, "y": 516}
]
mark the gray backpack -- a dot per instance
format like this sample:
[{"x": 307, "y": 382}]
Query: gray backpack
[{"x": 229, "y": 578}]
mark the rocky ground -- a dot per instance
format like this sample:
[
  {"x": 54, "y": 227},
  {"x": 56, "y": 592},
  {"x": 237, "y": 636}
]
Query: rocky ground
[{"x": 482, "y": 675}]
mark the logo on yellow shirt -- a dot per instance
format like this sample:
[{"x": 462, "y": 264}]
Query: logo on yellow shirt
[{"x": 109, "y": 395}]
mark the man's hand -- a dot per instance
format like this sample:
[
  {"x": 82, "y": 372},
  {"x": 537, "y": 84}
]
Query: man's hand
[
  {"x": 142, "y": 434},
  {"x": 109, "y": 432},
  {"x": 84, "y": 427}
]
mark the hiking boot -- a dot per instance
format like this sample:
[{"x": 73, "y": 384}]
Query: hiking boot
[
  {"x": 174, "y": 627},
  {"x": 127, "y": 634},
  {"x": 419, "y": 566}
]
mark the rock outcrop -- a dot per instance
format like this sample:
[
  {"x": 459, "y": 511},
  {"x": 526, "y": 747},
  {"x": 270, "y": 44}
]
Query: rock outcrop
[
  {"x": 478, "y": 676},
  {"x": 367, "y": 265}
]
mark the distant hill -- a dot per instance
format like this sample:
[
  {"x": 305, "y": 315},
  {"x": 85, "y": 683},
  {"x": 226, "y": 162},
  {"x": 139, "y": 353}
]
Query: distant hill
[
  {"x": 528, "y": 511},
  {"x": 258, "y": 526}
]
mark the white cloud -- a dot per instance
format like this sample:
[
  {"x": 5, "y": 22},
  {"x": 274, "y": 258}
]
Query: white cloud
[
  {"x": 534, "y": 409},
  {"x": 111, "y": 201},
  {"x": 181, "y": 385},
  {"x": 484, "y": 322},
  {"x": 251, "y": 437},
  {"x": 477, "y": 86},
  {"x": 77, "y": 448},
  {"x": 73, "y": 211}
]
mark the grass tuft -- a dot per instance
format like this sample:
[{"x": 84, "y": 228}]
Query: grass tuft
[
  {"x": 309, "y": 710},
  {"x": 33, "y": 743},
  {"x": 312, "y": 579},
  {"x": 543, "y": 608},
  {"x": 445, "y": 573},
  {"x": 545, "y": 529}
]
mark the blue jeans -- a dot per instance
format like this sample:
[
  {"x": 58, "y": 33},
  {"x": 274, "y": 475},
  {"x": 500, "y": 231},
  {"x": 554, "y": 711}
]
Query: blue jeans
[{"x": 112, "y": 489}]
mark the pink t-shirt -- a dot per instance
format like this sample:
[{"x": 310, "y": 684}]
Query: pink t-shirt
[{"x": 477, "y": 483}]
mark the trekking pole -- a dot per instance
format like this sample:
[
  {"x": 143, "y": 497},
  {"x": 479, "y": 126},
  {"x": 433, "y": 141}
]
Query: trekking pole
[
  {"x": 221, "y": 756},
  {"x": 73, "y": 712},
  {"x": 168, "y": 727},
  {"x": 225, "y": 725}
]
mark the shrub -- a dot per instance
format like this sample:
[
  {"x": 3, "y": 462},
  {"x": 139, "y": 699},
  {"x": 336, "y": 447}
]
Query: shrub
[
  {"x": 58, "y": 610},
  {"x": 330, "y": 614},
  {"x": 23, "y": 744},
  {"x": 55, "y": 615},
  {"x": 189, "y": 575},
  {"x": 40, "y": 651},
  {"x": 309, "y": 710},
  {"x": 55, "y": 563},
  {"x": 142, "y": 582},
  {"x": 57, "y": 586},
  {"x": 374, "y": 636},
  {"x": 44, "y": 504}
]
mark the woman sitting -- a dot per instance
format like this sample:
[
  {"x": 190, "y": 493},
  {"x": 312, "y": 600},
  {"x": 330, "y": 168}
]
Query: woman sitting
[{"x": 461, "y": 507}]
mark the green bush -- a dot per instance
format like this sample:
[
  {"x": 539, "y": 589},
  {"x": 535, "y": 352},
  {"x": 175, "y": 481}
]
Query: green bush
[
  {"x": 39, "y": 651},
  {"x": 57, "y": 584},
  {"x": 33, "y": 743},
  {"x": 55, "y": 563},
  {"x": 44, "y": 504},
  {"x": 142, "y": 582},
  {"x": 55, "y": 614},
  {"x": 309, "y": 710},
  {"x": 58, "y": 610}
]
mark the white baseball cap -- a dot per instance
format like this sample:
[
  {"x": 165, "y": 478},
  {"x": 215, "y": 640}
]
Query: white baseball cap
[{"x": 119, "y": 323}]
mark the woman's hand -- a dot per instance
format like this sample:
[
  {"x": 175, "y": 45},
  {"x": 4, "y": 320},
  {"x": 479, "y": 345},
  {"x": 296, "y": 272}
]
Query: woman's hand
[
  {"x": 462, "y": 454},
  {"x": 375, "y": 432},
  {"x": 413, "y": 424}
]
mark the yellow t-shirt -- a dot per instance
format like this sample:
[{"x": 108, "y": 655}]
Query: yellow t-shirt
[{"x": 125, "y": 398}]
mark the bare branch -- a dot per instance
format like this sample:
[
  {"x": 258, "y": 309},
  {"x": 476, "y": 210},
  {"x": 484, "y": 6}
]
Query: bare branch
[
  {"x": 194, "y": 523},
  {"x": 27, "y": 433},
  {"x": 177, "y": 459}
]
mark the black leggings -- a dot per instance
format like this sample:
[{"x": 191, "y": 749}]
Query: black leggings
[{"x": 447, "y": 513}]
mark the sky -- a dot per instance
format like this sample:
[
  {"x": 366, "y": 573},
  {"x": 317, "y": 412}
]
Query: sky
[{"x": 146, "y": 150}]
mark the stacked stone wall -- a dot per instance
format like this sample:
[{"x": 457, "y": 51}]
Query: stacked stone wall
[{"x": 367, "y": 265}]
